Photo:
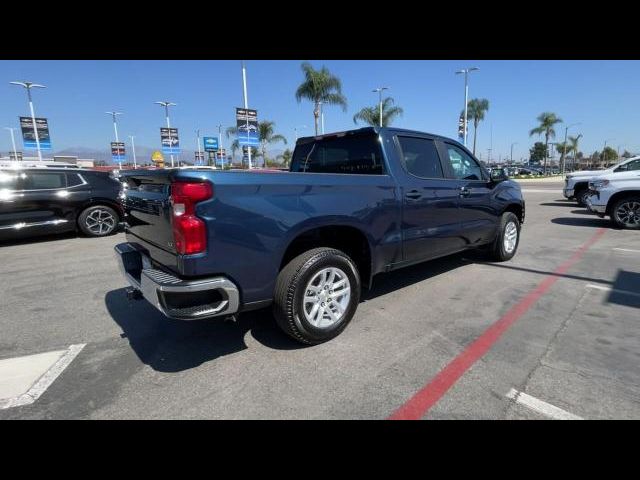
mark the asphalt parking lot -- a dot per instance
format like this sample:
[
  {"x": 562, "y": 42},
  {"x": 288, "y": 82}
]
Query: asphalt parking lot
[{"x": 558, "y": 329}]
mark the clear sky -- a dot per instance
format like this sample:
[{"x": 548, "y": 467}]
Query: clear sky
[{"x": 603, "y": 95}]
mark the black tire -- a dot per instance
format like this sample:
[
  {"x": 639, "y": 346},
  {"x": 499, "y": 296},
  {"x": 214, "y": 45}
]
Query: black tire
[
  {"x": 291, "y": 285},
  {"x": 629, "y": 221},
  {"x": 498, "y": 252},
  {"x": 98, "y": 221},
  {"x": 581, "y": 197}
]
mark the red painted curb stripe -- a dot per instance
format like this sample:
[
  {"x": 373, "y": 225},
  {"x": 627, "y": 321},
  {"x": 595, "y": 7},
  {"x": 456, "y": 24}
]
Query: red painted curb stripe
[{"x": 423, "y": 400}]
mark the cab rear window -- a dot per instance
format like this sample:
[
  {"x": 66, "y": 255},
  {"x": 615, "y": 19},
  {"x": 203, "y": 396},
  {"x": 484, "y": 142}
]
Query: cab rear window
[{"x": 351, "y": 154}]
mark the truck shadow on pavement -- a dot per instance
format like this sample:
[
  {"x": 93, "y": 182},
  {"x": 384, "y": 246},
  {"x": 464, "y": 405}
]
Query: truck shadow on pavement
[
  {"x": 172, "y": 345},
  {"x": 596, "y": 222},
  {"x": 559, "y": 203}
]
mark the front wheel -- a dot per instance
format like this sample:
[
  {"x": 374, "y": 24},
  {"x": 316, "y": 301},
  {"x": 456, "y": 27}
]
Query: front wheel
[
  {"x": 581, "y": 197},
  {"x": 316, "y": 295},
  {"x": 625, "y": 213},
  {"x": 506, "y": 243}
]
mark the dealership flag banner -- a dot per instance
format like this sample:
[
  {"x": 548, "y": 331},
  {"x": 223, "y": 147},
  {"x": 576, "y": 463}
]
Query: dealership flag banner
[
  {"x": 170, "y": 140},
  {"x": 117, "y": 152},
  {"x": 29, "y": 136},
  {"x": 210, "y": 144},
  {"x": 247, "y": 127}
]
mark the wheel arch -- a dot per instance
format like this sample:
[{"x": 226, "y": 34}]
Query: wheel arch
[{"x": 347, "y": 238}]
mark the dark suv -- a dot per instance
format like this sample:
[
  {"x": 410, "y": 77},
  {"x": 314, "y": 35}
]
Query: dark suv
[{"x": 37, "y": 201}]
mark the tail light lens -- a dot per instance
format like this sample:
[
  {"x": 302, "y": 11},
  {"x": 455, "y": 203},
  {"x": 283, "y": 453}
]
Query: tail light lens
[{"x": 189, "y": 231}]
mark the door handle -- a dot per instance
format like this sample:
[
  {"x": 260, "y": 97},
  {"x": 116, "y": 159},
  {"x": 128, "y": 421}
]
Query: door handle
[
  {"x": 464, "y": 192},
  {"x": 413, "y": 195}
]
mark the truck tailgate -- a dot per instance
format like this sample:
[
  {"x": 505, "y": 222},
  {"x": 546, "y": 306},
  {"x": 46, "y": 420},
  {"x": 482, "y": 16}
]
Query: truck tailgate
[{"x": 148, "y": 209}]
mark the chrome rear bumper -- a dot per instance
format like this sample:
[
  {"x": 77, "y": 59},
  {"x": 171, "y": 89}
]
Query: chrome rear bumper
[{"x": 174, "y": 297}]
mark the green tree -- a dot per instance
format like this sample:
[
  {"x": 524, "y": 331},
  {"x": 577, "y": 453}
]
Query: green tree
[
  {"x": 608, "y": 156},
  {"x": 547, "y": 120},
  {"x": 627, "y": 154},
  {"x": 320, "y": 87},
  {"x": 573, "y": 147},
  {"x": 476, "y": 109},
  {"x": 268, "y": 136},
  {"x": 371, "y": 115},
  {"x": 286, "y": 157},
  {"x": 538, "y": 152}
]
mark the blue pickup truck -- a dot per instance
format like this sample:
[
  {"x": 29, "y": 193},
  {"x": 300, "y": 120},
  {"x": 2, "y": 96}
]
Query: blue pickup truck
[{"x": 354, "y": 204}]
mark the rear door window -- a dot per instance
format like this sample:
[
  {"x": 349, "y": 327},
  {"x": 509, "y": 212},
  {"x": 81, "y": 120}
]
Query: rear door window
[
  {"x": 43, "y": 181},
  {"x": 420, "y": 157},
  {"x": 351, "y": 154}
]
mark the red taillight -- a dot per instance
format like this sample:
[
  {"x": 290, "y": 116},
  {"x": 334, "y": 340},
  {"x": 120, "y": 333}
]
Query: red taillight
[{"x": 189, "y": 231}]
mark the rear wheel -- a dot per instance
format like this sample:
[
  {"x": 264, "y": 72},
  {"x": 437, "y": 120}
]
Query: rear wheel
[
  {"x": 316, "y": 295},
  {"x": 506, "y": 243},
  {"x": 625, "y": 213},
  {"x": 98, "y": 221}
]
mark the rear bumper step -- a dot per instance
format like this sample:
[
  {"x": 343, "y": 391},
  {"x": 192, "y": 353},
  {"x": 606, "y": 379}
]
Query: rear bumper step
[{"x": 174, "y": 297}]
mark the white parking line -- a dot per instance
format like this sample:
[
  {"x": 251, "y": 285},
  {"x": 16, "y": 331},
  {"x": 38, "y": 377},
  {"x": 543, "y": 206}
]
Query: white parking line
[
  {"x": 627, "y": 250},
  {"x": 45, "y": 381},
  {"x": 540, "y": 406},
  {"x": 609, "y": 289}
]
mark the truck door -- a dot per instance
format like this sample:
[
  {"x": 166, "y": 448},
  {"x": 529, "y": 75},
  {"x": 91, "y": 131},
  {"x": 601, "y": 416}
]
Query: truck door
[
  {"x": 478, "y": 213},
  {"x": 430, "y": 221}
]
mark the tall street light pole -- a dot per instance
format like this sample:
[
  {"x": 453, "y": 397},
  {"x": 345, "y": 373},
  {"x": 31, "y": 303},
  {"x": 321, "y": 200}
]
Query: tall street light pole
[
  {"x": 564, "y": 150},
  {"x": 28, "y": 86},
  {"x": 115, "y": 129},
  {"x": 166, "y": 106},
  {"x": 198, "y": 145},
  {"x": 511, "y": 160},
  {"x": 379, "y": 90},
  {"x": 466, "y": 97},
  {"x": 13, "y": 143},
  {"x": 246, "y": 106},
  {"x": 133, "y": 149},
  {"x": 220, "y": 145}
]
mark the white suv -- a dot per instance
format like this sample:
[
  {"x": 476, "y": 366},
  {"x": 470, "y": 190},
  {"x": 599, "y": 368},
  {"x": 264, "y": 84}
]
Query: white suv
[
  {"x": 577, "y": 184},
  {"x": 618, "y": 196}
]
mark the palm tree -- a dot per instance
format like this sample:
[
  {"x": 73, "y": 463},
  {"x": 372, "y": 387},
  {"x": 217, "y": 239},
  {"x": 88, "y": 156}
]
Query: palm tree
[
  {"x": 286, "y": 157},
  {"x": 371, "y": 115},
  {"x": 320, "y": 86},
  {"x": 267, "y": 136},
  {"x": 547, "y": 121},
  {"x": 476, "y": 108},
  {"x": 573, "y": 147}
]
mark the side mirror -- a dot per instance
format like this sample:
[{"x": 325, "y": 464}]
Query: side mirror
[{"x": 499, "y": 175}]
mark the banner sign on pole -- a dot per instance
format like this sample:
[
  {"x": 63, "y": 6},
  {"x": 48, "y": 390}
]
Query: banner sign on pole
[
  {"x": 210, "y": 144},
  {"x": 461, "y": 127},
  {"x": 117, "y": 152},
  {"x": 29, "y": 136},
  {"x": 199, "y": 158},
  {"x": 220, "y": 156},
  {"x": 170, "y": 140},
  {"x": 247, "y": 126}
]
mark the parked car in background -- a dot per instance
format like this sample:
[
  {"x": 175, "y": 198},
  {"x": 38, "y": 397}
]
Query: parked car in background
[
  {"x": 616, "y": 195},
  {"x": 576, "y": 184},
  {"x": 203, "y": 243},
  {"x": 47, "y": 200}
]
